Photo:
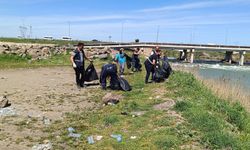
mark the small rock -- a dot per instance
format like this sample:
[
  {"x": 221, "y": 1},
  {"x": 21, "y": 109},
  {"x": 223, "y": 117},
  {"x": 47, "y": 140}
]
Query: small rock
[
  {"x": 165, "y": 106},
  {"x": 103, "y": 56},
  {"x": 111, "y": 99},
  {"x": 4, "y": 102},
  {"x": 157, "y": 97}
]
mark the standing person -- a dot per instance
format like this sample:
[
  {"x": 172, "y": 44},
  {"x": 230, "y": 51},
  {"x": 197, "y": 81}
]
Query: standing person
[
  {"x": 154, "y": 50},
  {"x": 77, "y": 59},
  {"x": 150, "y": 65},
  {"x": 136, "y": 60},
  {"x": 121, "y": 60}
]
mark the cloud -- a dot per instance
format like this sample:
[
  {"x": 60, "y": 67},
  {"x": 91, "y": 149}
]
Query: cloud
[
  {"x": 25, "y": 2},
  {"x": 142, "y": 23},
  {"x": 193, "y": 5}
]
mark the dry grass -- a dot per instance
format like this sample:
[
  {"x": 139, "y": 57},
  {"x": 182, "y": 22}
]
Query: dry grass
[{"x": 226, "y": 91}]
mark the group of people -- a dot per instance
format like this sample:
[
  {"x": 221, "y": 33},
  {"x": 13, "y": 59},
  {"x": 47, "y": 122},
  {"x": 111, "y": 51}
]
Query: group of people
[
  {"x": 110, "y": 70},
  {"x": 122, "y": 59}
]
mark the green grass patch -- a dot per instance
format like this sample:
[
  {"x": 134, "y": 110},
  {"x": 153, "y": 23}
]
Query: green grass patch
[{"x": 221, "y": 123}]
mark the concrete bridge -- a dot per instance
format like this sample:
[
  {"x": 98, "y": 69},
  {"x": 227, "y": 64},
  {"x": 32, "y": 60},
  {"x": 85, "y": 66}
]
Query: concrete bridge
[{"x": 183, "y": 48}]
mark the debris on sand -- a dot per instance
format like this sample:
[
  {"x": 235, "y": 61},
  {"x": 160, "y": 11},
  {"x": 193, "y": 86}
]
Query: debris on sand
[
  {"x": 7, "y": 112},
  {"x": 46, "y": 121},
  {"x": 72, "y": 134},
  {"x": 118, "y": 137},
  {"x": 46, "y": 146},
  {"x": 91, "y": 140}
]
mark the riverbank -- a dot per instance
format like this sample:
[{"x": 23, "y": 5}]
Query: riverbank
[{"x": 228, "y": 82}]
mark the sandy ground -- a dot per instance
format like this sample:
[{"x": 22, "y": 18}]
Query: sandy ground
[{"x": 37, "y": 93}]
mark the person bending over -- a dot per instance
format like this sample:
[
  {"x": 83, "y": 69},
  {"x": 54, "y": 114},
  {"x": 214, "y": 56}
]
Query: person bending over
[
  {"x": 136, "y": 60},
  {"x": 109, "y": 71}
]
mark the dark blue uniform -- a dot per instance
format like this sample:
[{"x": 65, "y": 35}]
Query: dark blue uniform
[
  {"x": 150, "y": 67},
  {"x": 136, "y": 62},
  {"x": 79, "y": 70},
  {"x": 109, "y": 70}
]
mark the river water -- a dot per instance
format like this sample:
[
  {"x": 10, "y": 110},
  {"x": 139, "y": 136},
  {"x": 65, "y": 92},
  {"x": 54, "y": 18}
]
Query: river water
[{"x": 238, "y": 76}]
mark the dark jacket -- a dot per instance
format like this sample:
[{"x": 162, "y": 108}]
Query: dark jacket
[{"x": 77, "y": 58}]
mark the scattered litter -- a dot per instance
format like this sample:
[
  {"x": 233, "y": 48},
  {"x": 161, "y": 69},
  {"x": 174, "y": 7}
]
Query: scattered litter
[
  {"x": 47, "y": 146},
  {"x": 7, "y": 112},
  {"x": 99, "y": 137},
  {"x": 46, "y": 121},
  {"x": 72, "y": 134},
  {"x": 71, "y": 130},
  {"x": 138, "y": 113},
  {"x": 118, "y": 137},
  {"x": 90, "y": 140},
  {"x": 133, "y": 137}
]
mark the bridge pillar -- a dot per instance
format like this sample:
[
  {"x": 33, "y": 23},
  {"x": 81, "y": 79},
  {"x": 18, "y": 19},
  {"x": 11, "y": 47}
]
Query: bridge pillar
[
  {"x": 242, "y": 57},
  {"x": 192, "y": 56}
]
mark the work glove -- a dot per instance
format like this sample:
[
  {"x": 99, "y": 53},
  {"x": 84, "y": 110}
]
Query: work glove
[{"x": 74, "y": 65}]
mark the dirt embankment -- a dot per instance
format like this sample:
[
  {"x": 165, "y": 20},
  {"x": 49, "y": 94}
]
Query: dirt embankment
[{"x": 36, "y": 94}]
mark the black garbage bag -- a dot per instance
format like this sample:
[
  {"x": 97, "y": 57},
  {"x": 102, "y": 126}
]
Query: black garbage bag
[
  {"x": 139, "y": 66},
  {"x": 90, "y": 73},
  {"x": 166, "y": 68},
  {"x": 115, "y": 83},
  {"x": 128, "y": 61},
  {"x": 159, "y": 74},
  {"x": 124, "y": 84}
]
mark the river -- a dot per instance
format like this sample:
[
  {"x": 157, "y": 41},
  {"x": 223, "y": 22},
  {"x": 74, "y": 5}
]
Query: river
[{"x": 236, "y": 75}]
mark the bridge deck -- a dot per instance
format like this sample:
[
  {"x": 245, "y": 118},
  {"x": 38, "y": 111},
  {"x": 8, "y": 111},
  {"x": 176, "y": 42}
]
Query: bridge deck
[{"x": 173, "y": 46}]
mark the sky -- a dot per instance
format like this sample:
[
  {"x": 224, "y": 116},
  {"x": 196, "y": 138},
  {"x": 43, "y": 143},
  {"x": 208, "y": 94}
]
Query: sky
[{"x": 178, "y": 21}]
